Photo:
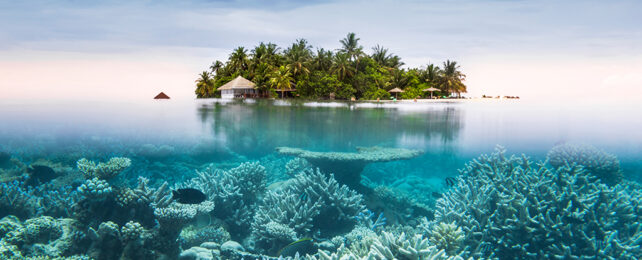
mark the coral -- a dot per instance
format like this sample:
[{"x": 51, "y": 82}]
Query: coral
[
  {"x": 19, "y": 199},
  {"x": 310, "y": 204},
  {"x": 106, "y": 242},
  {"x": 173, "y": 217},
  {"x": 508, "y": 207},
  {"x": 43, "y": 236},
  {"x": 387, "y": 246},
  {"x": 103, "y": 170},
  {"x": 234, "y": 192},
  {"x": 95, "y": 188},
  {"x": 131, "y": 231},
  {"x": 367, "y": 220},
  {"x": 155, "y": 198},
  {"x": 125, "y": 197},
  {"x": 397, "y": 206},
  {"x": 296, "y": 166},
  {"x": 156, "y": 152},
  {"x": 9, "y": 251},
  {"x": 192, "y": 236},
  {"x": 600, "y": 164},
  {"x": 448, "y": 237},
  {"x": 347, "y": 167}
]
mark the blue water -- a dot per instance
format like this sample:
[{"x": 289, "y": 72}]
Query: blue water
[{"x": 170, "y": 140}]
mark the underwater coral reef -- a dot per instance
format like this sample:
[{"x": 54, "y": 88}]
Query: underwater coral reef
[{"x": 574, "y": 205}]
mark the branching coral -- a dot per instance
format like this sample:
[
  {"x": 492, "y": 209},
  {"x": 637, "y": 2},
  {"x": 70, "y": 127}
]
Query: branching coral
[
  {"x": 311, "y": 204},
  {"x": 103, "y": 170},
  {"x": 388, "y": 246},
  {"x": 598, "y": 163},
  {"x": 19, "y": 199},
  {"x": 234, "y": 192},
  {"x": 155, "y": 198},
  {"x": 510, "y": 208},
  {"x": 296, "y": 166},
  {"x": 347, "y": 167}
]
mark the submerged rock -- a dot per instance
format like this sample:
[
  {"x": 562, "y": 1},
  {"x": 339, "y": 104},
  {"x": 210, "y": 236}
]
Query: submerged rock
[{"x": 232, "y": 245}]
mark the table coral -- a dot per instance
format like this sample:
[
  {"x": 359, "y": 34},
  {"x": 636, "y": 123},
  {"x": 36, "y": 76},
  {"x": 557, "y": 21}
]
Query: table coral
[{"x": 347, "y": 167}]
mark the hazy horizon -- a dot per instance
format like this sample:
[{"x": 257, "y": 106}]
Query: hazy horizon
[{"x": 119, "y": 50}]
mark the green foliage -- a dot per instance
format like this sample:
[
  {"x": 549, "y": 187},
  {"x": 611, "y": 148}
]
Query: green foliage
[
  {"x": 347, "y": 72},
  {"x": 376, "y": 93},
  {"x": 411, "y": 93}
]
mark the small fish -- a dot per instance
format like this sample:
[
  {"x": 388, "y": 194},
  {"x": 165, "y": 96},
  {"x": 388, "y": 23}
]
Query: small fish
[
  {"x": 188, "y": 196},
  {"x": 302, "y": 246},
  {"x": 39, "y": 174},
  {"x": 450, "y": 181},
  {"x": 436, "y": 194}
]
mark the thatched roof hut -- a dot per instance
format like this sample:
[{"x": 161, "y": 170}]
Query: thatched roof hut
[
  {"x": 238, "y": 83},
  {"x": 161, "y": 96}
]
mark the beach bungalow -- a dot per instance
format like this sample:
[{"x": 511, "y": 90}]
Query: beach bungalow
[
  {"x": 238, "y": 87},
  {"x": 161, "y": 96}
]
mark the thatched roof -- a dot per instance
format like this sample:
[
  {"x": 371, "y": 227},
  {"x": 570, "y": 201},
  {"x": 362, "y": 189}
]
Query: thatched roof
[
  {"x": 395, "y": 90},
  {"x": 161, "y": 96},
  {"x": 238, "y": 83},
  {"x": 431, "y": 89}
]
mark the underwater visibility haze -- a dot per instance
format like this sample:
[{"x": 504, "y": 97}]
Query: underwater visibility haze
[{"x": 259, "y": 179}]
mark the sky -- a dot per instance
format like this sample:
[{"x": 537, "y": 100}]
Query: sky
[{"x": 129, "y": 50}]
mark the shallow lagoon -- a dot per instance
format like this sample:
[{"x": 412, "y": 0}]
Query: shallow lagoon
[{"x": 172, "y": 140}]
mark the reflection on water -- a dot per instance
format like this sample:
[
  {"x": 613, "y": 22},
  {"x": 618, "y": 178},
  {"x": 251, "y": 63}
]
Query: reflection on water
[{"x": 255, "y": 129}]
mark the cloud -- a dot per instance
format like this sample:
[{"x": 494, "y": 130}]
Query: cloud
[{"x": 486, "y": 37}]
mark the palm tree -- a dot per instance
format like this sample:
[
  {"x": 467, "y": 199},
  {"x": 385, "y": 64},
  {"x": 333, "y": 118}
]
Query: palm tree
[
  {"x": 451, "y": 78},
  {"x": 298, "y": 57},
  {"x": 281, "y": 79},
  {"x": 216, "y": 67},
  {"x": 350, "y": 46},
  {"x": 267, "y": 53},
  {"x": 341, "y": 66},
  {"x": 322, "y": 60},
  {"x": 204, "y": 85},
  {"x": 399, "y": 79},
  {"x": 432, "y": 73},
  {"x": 381, "y": 56},
  {"x": 238, "y": 60}
]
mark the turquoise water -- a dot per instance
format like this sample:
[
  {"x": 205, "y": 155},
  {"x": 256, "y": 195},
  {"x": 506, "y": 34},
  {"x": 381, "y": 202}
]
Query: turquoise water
[{"x": 170, "y": 141}]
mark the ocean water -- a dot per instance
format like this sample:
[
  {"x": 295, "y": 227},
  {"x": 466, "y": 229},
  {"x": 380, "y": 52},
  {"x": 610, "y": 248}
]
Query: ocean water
[{"x": 230, "y": 151}]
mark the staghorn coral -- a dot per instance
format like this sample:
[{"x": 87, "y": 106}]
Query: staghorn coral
[
  {"x": 310, "y": 204},
  {"x": 234, "y": 192},
  {"x": 347, "y": 167},
  {"x": 397, "y": 206},
  {"x": 598, "y": 163},
  {"x": 155, "y": 198},
  {"x": 387, "y": 246},
  {"x": 103, "y": 170},
  {"x": 296, "y": 166},
  {"x": 510, "y": 208},
  {"x": 17, "y": 198}
]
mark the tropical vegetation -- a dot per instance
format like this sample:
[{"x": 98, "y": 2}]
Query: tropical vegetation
[{"x": 345, "y": 73}]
